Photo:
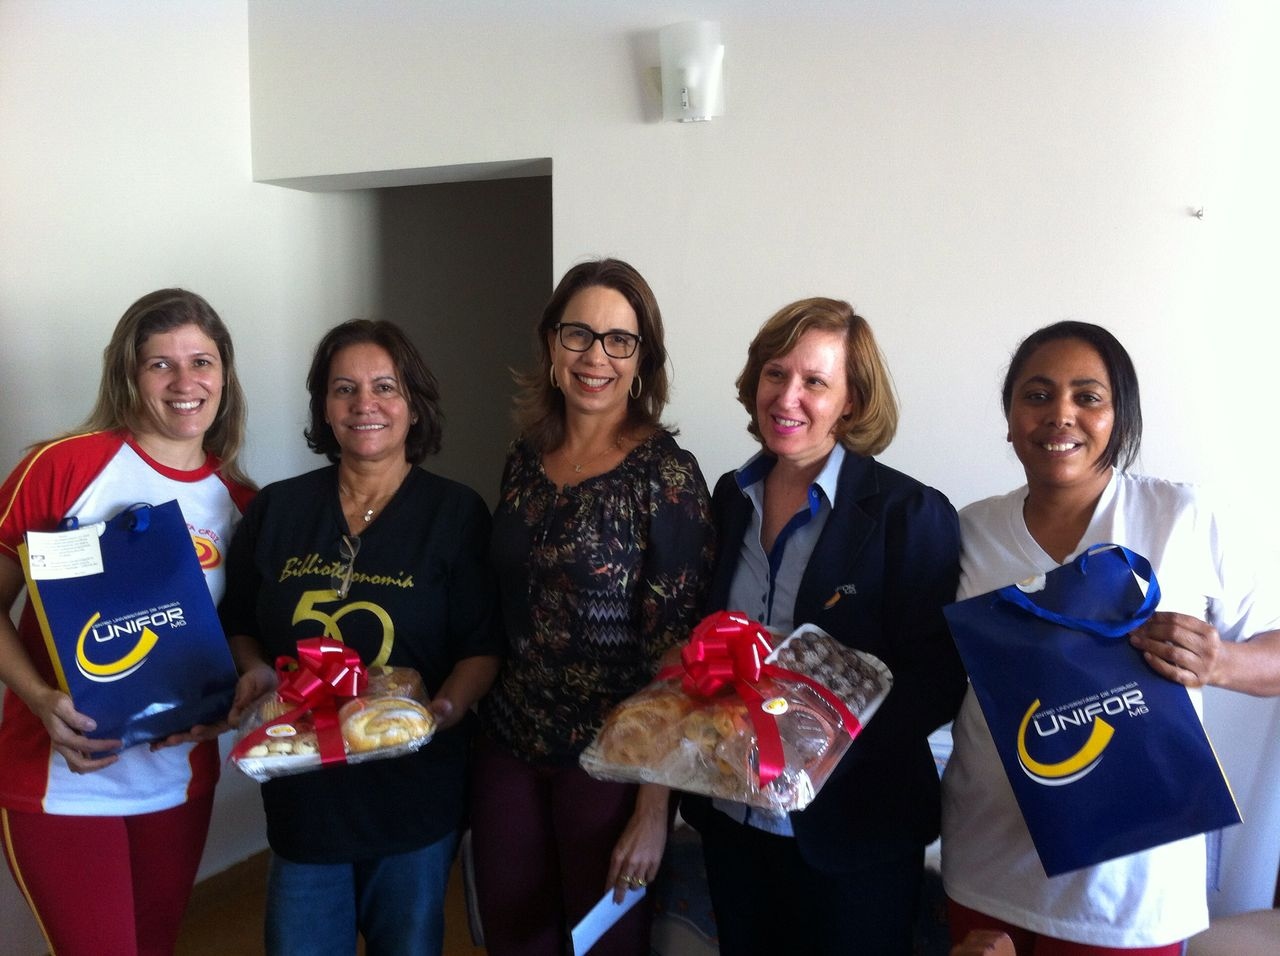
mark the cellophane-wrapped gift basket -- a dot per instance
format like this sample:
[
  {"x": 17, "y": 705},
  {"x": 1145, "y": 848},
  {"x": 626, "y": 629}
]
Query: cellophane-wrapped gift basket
[
  {"x": 746, "y": 716},
  {"x": 330, "y": 709}
]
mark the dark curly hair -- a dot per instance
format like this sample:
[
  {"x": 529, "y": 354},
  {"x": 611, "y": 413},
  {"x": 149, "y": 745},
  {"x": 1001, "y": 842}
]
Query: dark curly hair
[{"x": 421, "y": 390}]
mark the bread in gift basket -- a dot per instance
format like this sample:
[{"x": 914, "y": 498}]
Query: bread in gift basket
[
  {"x": 331, "y": 709},
  {"x": 745, "y": 716}
]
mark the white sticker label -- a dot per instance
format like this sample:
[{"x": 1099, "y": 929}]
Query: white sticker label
[{"x": 55, "y": 555}]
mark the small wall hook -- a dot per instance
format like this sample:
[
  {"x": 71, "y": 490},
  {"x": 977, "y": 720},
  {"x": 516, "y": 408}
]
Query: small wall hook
[{"x": 1197, "y": 211}]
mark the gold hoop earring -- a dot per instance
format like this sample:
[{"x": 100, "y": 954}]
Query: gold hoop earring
[
  {"x": 637, "y": 387},
  {"x": 554, "y": 383}
]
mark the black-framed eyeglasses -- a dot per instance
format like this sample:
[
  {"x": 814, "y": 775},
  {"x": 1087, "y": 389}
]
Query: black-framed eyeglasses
[
  {"x": 348, "y": 548},
  {"x": 577, "y": 337}
]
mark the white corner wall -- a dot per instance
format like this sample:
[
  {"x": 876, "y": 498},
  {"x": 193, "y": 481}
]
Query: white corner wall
[
  {"x": 126, "y": 167},
  {"x": 962, "y": 173}
]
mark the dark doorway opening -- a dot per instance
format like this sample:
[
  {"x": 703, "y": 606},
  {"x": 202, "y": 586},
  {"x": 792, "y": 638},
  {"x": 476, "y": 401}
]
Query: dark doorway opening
[{"x": 465, "y": 269}]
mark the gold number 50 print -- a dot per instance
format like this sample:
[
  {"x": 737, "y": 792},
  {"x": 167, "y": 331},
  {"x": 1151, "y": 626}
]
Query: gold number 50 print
[{"x": 307, "y": 610}]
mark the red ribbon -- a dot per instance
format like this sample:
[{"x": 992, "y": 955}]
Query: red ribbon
[
  {"x": 325, "y": 670},
  {"x": 324, "y": 673},
  {"x": 726, "y": 651}
]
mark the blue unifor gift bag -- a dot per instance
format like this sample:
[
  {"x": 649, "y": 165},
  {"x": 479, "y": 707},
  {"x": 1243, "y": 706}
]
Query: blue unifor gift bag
[
  {"x": 1105, "y": 757},
  {"x": 131, "y": 629}
]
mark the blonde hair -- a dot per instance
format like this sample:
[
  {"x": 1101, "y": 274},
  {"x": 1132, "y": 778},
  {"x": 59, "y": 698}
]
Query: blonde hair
[{"x": 870, "y": 428}]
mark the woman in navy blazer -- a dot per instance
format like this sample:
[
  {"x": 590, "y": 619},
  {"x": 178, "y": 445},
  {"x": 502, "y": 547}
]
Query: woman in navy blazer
[{"x": 813, "y": 530}]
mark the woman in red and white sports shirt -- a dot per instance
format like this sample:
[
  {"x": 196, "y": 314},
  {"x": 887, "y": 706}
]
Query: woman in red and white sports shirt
[{"x": 105, "y": 849}]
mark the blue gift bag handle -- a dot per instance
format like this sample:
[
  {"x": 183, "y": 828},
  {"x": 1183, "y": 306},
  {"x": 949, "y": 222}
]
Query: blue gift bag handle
[
  {"x": 139, "y": 518},
  {"x": 1141, "y": 567}
]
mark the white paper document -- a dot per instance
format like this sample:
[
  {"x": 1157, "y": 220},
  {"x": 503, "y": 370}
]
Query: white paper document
[
  {"x": 56, "y": 555},
  {"x": 603, "y": 915}
]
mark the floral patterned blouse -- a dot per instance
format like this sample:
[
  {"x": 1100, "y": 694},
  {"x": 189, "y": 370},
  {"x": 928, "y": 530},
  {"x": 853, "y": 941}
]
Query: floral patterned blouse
[{"x": 597, "y": 581}]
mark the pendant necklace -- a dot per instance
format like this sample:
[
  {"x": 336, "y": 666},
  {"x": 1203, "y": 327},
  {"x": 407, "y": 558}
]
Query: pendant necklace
[
  {"x": 578, "y": 466},
  {"x": 367, "y": 515}
]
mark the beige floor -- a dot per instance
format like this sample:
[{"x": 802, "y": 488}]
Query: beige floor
[{"x": 225, "y": 915}]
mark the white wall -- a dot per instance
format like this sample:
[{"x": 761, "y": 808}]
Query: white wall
[
  {"x": 126, "y": 167},
  {"x": 963, "y": 173}
]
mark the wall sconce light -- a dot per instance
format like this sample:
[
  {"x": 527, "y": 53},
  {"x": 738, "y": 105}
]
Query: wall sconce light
[{"x": 692, "y": 71}]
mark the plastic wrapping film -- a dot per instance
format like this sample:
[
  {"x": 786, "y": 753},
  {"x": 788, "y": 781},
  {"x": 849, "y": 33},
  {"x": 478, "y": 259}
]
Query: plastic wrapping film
[
  {"x": 389, "y": 718},
  {"x": 811, "y": 692}
]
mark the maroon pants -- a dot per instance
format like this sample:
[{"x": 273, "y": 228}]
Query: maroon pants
[
  {"x": 541, "y": 838},
  {"x": 115, "y": 885}
]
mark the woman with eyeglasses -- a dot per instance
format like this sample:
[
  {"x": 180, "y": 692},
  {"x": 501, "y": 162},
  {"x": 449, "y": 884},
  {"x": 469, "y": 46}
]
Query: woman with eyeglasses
[
  {"x": 601, "y": 542},
  {"x": 391, "y": 560}
]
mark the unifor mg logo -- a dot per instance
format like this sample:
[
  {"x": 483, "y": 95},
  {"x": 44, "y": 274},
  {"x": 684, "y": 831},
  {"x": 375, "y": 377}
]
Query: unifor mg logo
[
  {"x": 111, "y": 651},
  {"x": 1059, "y": 746}
]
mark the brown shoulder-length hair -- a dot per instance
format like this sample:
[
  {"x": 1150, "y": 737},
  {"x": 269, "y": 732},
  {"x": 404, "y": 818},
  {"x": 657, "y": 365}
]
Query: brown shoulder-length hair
[
  {"x": 870, "y": 428},
  {"x": 120, "y": 406},
  {"x": 539, "y": 408},
  {"x": 421, "y": 390}
]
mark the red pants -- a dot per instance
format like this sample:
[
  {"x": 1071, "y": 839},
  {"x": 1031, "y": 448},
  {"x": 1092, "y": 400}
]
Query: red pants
[
  {"x": 108, "y": 884},
  {"x": 961, "y": 919}
]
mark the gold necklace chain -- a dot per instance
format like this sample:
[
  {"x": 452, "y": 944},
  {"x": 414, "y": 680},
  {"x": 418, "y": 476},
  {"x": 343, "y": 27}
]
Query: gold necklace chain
[
  {"x": 378, "y": 502},
  {"x": 578, "y": 466}
]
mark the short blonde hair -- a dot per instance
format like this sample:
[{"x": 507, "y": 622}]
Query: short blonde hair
[{"x": 874, "y": 421}]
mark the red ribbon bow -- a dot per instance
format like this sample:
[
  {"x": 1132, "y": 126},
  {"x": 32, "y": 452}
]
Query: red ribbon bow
[
  {"x": 323, "y": 673},
  {"x": 727, "y": 651},
  {"x": 325, "y": 670},
  {"x": 723, "y": 649}
]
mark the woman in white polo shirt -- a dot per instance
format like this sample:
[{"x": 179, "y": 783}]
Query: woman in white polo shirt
[{"x": 1075, "y": 422}]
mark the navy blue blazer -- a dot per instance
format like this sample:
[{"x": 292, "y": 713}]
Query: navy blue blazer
[{"x": 887, "y": 561}]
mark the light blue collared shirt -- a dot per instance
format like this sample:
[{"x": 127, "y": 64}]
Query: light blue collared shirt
[{"x": 765, "y": 585}]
